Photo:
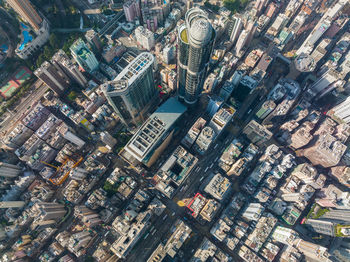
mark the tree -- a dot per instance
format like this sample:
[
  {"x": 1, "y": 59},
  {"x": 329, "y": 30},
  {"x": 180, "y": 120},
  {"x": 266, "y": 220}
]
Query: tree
[
  {"x": 72, "y": 96},
  {"x": 54, "y": 42},
  {"x": 235, "y": 5},
  {"x": 232, "y": 5},
  {"x": 41, "y": 59},
  {"x": 47, "y": 52}
]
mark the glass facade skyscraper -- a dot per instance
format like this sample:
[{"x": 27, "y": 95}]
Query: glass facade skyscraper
[
  {"x": 133, "y": 93},
  {"x": 196, "y": 41}
]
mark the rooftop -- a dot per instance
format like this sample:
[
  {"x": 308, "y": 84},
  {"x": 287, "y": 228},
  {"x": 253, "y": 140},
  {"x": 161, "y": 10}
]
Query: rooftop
[{"x": 155, "y": 127}]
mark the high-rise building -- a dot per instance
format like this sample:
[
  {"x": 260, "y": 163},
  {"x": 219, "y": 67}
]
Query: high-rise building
[
  {"x": 61, "y": 61},
  {"x": 154, "y": 13},
  {"x": 234, "y": 28},
  {"x": 132, "y": 10},
  {"x": 241, "y": 41},
  {"x": 94, "y": 40},
  {"x": 46, "y": 211},
  {"x": 145, "y": 37},
  {"x": 84, "y": 57},
  {"x": 27, "y": 12},
  {"x": 326, "y": 151},
  {"x": 253, "y": 211},
  {"x": 9, "y": 170},
  {"x": 313, "y": 251},
  {"x": 53, "y": 77},
  {"x": 108, "y": 139},
  {"x": 326, "y": 83},
  {"x": 205, "y": 139},
  {"x": 258, "y": 134},
  {"x": 132, "y": 93},
  {"x": 342, "y": 110},
  {"x": 155, "y": 134},
  {"x": 222, "y": 118},
  {"x": 12, "y": 204},
  {"x": 196, "y": 40}
]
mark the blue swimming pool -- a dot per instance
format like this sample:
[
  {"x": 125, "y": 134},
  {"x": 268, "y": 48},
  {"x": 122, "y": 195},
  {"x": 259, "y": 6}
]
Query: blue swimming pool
[
  {"x": 26, "y": 37},
  {"x": 24, "y": 26},
  {"x": 4, "y": 48}
]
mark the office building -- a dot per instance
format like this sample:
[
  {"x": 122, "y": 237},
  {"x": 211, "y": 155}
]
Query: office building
[
  {"x": 253, "y": 212},
  {"x": 266, "y": 109},
  {"x": 218, "y": 187},
  {"x": 174, "y": 171},
  {"x": 205, "y": 139},
  {"x": 193, "y": 133},
  {"x": 93, "y": 40},
  {"x": 215, "y": 104},
  {"x": 222, "y": 118},
  {"x": 327, "y": 151},
  {"x": 326, "y": 83},
  {"x": 9, "y": 170},
  {"x": 132, "y": 10},
  {"x": 145, "y": 37},
  {"x": 284, "y": 235},
  {"x": 108, "y": 139},
  {"x": 342, "y": 110},
  {"x": 334, "y": 223},
  {"x": 43, "y": 211},
  {"x": 313, "y": 251},
  {"x": 154, "y": 135},
  {"x": 256, "y": 133},
  {"x": 321, "y": 226},
  {"x": 234, "y": 28},
  {"x": 53, "y": 77},
  {"x": 84, "y": 57},
  {"x": 61, "y": 61},
  {"x": 196, "y": 39},
  {"x": 333, "y": 197},
  {"x": 27, "y": 12},
  {"x": 241, "y": 42},
  {"x": 181, "y": 232},
  {"x": 132, "y": 94}
]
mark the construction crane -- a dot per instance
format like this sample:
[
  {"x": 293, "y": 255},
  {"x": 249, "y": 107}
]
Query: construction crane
[{"x": 59, "y": 181}]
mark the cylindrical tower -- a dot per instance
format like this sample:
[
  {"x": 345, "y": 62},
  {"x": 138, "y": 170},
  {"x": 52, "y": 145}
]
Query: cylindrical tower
[{"x": 196, "y": 40}]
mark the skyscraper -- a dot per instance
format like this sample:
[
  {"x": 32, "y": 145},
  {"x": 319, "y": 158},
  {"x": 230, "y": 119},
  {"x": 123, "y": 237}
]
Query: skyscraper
[
  {"x": 132, "y": 10},
  {"x": 12, "y": 204},
  {"x": 61, "y": 61},
  {"x": 9, "y": 170},
  {"x": 84, "y": 57},
  {"x": 154, "y": 13},
  {"x": 53, "y": 77},
  {"x": 234, "y": 28},
  {"x": 196, "y": 40},
  {"x": 342, "y": 110},
  {"x": 132, "y": 93},
  {"x": 27, "y": 12}
]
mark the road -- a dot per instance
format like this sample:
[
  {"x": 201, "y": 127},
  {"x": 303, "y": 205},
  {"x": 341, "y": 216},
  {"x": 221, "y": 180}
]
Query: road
[{"x": 39, "y": 90}]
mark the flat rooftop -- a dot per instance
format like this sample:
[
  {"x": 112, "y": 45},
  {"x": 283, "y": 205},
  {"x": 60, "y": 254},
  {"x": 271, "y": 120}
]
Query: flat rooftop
[
  {"x": 155, "y": 127},
  {"x": 138, "y": 66}
]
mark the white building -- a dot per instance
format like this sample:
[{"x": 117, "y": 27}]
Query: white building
[
  {"x": 42, "y": 35},
  {"x": 145, "y": 37},
  {"x": 342, "y": 110},
  {"x": 205, "y": 139}
]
